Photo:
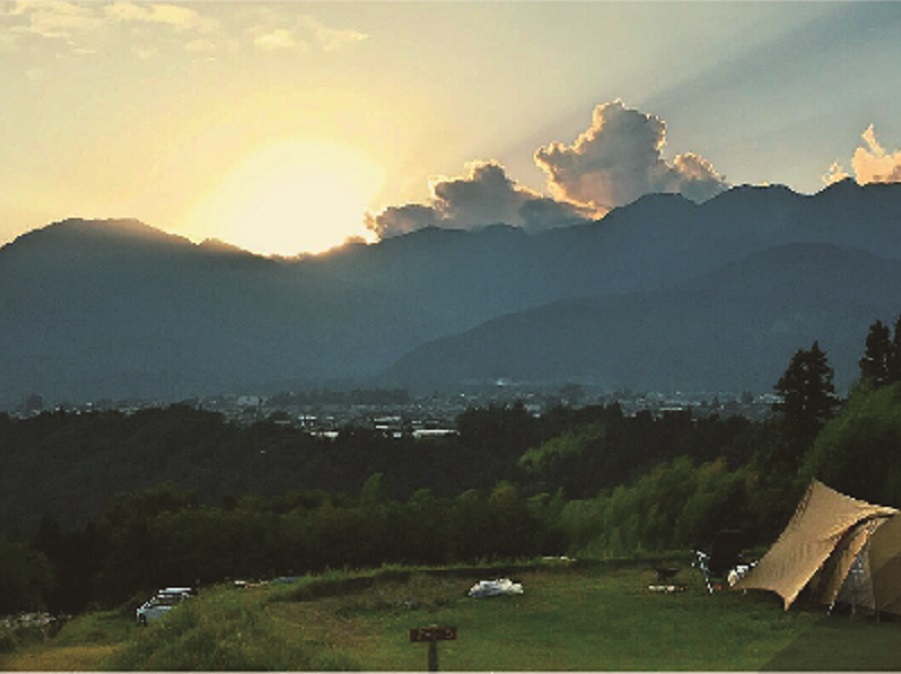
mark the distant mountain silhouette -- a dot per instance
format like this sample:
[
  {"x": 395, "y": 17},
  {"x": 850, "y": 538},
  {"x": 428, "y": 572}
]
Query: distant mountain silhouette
[
  {"x": 728, "y": 330},
  {"x": 116, "y": 309},
  {"x": 661, "y": 293}
]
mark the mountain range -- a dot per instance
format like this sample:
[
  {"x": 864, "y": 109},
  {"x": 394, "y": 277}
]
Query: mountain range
[{"x": 662, "y": 294}]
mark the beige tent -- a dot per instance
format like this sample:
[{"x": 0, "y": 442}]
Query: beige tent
[
  {"x": 885, "y": 566},
  {"x": 846, "y": 549}
]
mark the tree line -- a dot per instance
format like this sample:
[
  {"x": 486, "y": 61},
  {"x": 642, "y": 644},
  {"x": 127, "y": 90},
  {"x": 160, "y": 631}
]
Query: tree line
[{"x": 197, "y": 498}]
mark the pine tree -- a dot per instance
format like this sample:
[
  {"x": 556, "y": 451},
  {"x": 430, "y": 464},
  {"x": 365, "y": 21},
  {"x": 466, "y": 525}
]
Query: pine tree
[
  {"x": 808, "y": 398},
  {"x": 880, "y": 355},
  {"x": 894, "y": 360}
]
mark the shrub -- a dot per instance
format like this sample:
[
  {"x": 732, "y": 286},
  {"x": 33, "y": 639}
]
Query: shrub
[{"x": 225, "y": 632}]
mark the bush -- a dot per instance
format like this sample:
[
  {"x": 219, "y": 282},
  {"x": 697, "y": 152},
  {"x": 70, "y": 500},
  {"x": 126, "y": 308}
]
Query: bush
[
  {"x": 225, "y": 632},
  {"x": 858, "y": 451},
  {"x": 26, "y": 577},
  {"x": 675, "y": 506}
]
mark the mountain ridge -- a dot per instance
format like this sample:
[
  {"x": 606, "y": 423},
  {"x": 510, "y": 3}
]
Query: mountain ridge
[
  {"x": 116, "y": 308},
  {"x": 760, "y": 306}
]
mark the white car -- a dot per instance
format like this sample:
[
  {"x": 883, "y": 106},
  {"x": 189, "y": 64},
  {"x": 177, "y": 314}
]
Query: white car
[{"x": 161, "y": 603}]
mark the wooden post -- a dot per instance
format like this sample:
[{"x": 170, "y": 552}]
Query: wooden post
[{"x": 433, "y": 655}]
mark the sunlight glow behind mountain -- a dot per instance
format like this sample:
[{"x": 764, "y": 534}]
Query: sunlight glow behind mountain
[
  {"x": 153, "y": 110},
  {"x": 295, "y": 196}
]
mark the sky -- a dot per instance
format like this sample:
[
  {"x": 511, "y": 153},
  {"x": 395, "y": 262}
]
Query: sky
[{"x": 290, "y": 127}]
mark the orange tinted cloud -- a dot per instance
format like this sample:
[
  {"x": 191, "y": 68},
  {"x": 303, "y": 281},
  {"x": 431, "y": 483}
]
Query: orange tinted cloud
[
  {"x": 619, "y": 158},
  {"x": 871, "y": 163},
  {"x": 615, "y": 161},
  {"x": 835, "y": 174}
]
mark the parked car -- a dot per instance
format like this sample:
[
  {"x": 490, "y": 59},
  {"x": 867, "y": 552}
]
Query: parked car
[{"x": 161, "y": 603}]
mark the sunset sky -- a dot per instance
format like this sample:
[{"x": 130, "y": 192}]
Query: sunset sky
[{"x": 285, "y": 127}]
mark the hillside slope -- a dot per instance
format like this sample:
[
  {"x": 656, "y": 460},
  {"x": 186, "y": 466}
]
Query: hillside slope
[{"x": 731, "y": 329}]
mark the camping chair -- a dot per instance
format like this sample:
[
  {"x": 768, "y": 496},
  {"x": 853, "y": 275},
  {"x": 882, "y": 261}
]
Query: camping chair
[
  {"x": 725, "y": 555},
  {"x": 665, "y": 576}
]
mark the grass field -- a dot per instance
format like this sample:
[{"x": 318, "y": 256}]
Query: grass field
[{"x": 589, "y": 618}]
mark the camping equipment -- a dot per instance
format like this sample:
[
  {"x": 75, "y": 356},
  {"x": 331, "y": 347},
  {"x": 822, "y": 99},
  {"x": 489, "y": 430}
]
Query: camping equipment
[
  {"x": 724, "y": 558},
  {"x": 843, "y": 549},
  {"x": 494, "y": 588}
]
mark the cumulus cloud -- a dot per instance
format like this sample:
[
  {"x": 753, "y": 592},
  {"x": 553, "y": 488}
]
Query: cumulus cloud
[
  {"x": 615, "y": 161},
  {"x": 871, "y": 163},
  {"x": 835, "y": 174},
  {"x": 543, "y": 213},
  {"x": 85, "y": 26},
  {"x": 619, "y": 158},
  {"x": 53, "y": 19},
  {"x": 279, "y": 39},
  {"x": 332, "y": 39},
  {"x": 275, "y": 31},
  {"x": 175, "y": 16},
  {"x": 485, "y": 195},
  {"x": 396, "y": 220}
]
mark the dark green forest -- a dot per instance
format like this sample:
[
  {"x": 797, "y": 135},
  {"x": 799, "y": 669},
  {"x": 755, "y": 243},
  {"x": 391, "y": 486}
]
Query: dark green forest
[{"x": 97, "y": 509}]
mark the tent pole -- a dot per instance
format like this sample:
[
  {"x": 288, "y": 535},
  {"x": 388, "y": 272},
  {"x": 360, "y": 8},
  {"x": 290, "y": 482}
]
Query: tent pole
[{"x": 872, "y": 581}]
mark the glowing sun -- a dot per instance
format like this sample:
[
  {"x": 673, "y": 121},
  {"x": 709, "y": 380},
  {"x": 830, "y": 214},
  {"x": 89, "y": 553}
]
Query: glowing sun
[{"x": 296, "y": 196}]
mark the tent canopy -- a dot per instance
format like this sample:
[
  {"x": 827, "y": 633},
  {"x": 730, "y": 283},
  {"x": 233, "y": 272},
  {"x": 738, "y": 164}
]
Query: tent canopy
[
  {"x": 828, "y": 524},
  {"x": 885, "y": 566}
]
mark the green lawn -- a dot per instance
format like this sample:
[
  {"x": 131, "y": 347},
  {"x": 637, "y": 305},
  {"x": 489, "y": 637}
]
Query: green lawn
[
  {"x": 587, "y": 621},
  {"x": 588, "y": 618}
]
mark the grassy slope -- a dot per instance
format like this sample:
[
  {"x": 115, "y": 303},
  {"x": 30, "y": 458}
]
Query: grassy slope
[
  {"x": 81, "y": 645},
  {"x": 581, "y": 619}
]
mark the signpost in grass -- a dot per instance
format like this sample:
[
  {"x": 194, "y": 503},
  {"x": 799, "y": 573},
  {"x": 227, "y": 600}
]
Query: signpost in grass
[{"x": 432, "y": 635}]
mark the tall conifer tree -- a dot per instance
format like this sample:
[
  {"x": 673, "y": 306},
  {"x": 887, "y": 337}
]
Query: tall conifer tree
[
  {"x": 894, "y": 361},
  {"x": 878, "y": 355},
  {"x": 808, "y": 396}
]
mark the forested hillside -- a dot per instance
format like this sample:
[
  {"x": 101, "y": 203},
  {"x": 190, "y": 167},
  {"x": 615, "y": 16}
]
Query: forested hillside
[
  {"x": 69, "y": 465},
  {"x": 123, "y": 504}
]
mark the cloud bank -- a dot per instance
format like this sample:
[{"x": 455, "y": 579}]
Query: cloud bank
[
  {"x": 86, "y": 27},
  {"x": 52, "y": 19},
  {"x": 282, "y": 32},
  {"x": 615, "y": 161},
  {"x": 619, "y": 158},
  {"x": 871, "y": 163},
  {"x": 485, "y": 195},
  {"x": 174, "y": 16}
]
